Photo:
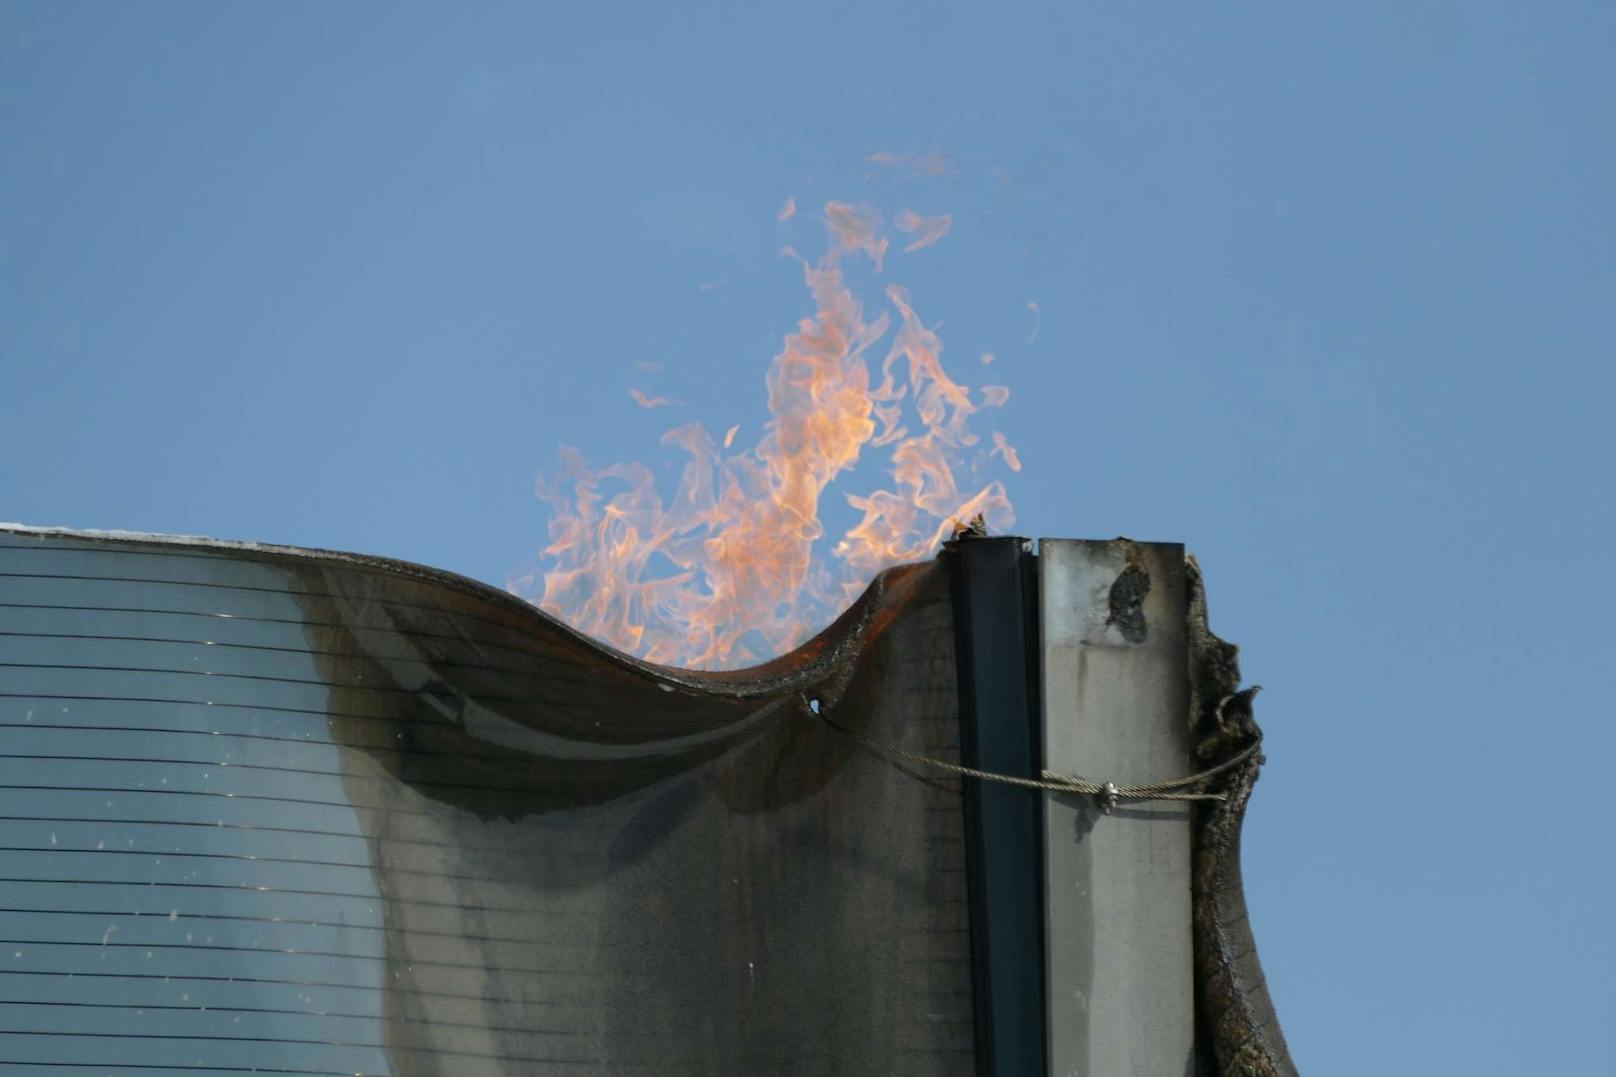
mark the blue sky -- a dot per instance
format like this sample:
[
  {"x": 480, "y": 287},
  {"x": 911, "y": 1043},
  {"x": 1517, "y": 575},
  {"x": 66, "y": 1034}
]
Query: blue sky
[{"x": 1325, "y": 293}]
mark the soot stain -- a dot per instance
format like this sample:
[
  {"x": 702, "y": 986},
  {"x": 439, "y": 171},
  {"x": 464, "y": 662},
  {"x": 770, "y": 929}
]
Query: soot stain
[{"x": 1128, "y": 604}]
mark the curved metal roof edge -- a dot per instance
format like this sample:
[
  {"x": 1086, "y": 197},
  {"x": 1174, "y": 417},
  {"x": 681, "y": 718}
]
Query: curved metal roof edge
[{"x": 813, "y": 661}]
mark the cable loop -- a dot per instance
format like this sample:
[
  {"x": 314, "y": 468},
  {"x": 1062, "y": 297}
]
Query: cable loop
[{"x": 1106, "y": 794}]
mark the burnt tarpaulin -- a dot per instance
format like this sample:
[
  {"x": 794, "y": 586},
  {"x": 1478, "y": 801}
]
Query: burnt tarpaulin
[{"x": 307, "y": 812}]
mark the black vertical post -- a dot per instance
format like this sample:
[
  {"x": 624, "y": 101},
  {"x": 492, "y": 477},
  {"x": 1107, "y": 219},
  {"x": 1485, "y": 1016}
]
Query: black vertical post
[{"x": 996, "y": 649}]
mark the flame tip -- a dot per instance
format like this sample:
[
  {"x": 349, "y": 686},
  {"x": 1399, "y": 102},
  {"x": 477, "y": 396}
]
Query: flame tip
[{"x": 732, "y": 565}]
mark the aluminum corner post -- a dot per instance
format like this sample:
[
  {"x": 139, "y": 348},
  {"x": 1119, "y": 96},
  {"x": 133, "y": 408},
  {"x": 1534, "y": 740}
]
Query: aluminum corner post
[
  {"x": 1120, "y": 988},
  {"x": 996, "y": 649}
]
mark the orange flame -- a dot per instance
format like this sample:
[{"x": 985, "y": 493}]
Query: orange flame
[
  {"x": 1003, "y": 448},
  {"x": 651, "y": 401},
  {"x": 731, "y": 570},
  {"x": 930, "y": 229},
  {"x": 919, "y": 164},
  {"x": 853, "y": 231}
]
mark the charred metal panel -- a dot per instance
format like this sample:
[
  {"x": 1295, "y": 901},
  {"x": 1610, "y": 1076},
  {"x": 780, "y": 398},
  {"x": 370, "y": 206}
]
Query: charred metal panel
[
  {"x": 995, "y": 617},
  {"x": 273, "y": 808}
]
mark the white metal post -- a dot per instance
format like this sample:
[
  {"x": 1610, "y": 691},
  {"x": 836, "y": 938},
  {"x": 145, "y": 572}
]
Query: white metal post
[{"x": 1115, "y": 708}]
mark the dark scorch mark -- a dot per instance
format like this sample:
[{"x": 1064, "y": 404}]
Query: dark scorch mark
[{"x": 1128, "y": 604}]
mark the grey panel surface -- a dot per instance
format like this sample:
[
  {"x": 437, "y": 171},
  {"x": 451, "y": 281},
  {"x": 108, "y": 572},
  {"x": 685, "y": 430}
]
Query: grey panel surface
[
  {"x": 272, "y": 810},
  {"x": 1116, "y": 692}
]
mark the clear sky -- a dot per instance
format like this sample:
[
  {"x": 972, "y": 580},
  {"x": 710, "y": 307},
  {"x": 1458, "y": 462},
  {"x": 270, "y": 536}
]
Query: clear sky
[{"x": 1324, "y": 291}]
